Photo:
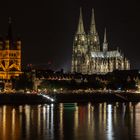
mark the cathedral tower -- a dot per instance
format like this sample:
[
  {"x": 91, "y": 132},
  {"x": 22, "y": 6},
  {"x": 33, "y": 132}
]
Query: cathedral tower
[
  {"x": 10, "y": 56},
  {"x": 79, "y": 48},
  {"x": 93, "y": 38}
]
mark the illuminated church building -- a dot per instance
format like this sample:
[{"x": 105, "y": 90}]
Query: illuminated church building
[
  {"x": 89, "y": 58},
  {"x": 10, "y": 56}
]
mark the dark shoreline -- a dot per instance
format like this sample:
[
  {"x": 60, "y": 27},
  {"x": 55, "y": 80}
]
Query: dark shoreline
[
  {"x": 98, "y": 97},
  {"x": 20, "y": 98}
]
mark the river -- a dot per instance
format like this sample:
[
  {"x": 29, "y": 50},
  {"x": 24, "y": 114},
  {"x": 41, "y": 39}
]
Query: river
[{"x": 100, "y": 121}]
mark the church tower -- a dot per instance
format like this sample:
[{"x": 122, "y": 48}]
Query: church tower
[
  {"x": 79, "y": 48},
  {"x": 10, "y": 55},
  {"x": 93, "y": 38}
]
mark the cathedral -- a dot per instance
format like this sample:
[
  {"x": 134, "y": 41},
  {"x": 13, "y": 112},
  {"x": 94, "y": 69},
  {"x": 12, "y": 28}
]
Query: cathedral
[
  {"x": 89, "y": 58},
  {"x": 10, "y": 56}
]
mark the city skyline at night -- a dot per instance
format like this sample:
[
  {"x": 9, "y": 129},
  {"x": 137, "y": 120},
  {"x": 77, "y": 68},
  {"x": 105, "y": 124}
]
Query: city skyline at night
[{"x": 47, "y": 28}]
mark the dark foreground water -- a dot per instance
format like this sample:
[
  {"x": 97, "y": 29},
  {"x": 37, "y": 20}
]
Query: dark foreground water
[{"x": 101, "y": 121}]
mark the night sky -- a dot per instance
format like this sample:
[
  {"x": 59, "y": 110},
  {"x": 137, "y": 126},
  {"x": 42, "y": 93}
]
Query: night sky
[{"x": 47, "y": 28}]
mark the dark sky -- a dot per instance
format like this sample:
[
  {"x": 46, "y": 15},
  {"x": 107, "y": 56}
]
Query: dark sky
[{"x": 47, "y": 27}]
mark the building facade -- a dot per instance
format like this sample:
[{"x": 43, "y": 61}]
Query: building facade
[
  {"x": 10, "y": 56},
  {"x": 89, "y": 58}
]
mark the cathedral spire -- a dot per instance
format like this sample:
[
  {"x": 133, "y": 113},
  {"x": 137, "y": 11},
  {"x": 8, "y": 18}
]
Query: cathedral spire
[
  {"x": 105, "y": 44},
  {"x": 105, "y": 40},
  {"x": 9, "y": 34},
  {"x": 93, "y": 25},
  {"x": 80, "y": 24}
]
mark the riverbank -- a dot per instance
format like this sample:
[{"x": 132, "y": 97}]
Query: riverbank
[
  {"x": 20, "y": 98},
  {"x": 97, "y": 97}
]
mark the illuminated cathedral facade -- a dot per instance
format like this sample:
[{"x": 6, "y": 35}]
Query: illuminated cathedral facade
[
  {"x": 89, "y": 58},
  {"x": 10, "y": 56}
]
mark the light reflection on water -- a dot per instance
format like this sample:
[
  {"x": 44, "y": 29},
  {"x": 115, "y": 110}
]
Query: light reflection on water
[{"x": 70, "y": 121}]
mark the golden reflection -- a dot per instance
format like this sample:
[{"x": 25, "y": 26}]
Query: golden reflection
[
  {"x": 104, "y": 113},
  {"x": 98, "y": 121},
  {"x": 24, "y": 121},
  {"x": 4, "y": 121},
  {"x": 61, "y": 120},
  {"x": 38, "y": 118},
  {"x": 27, "y": 115},
  {"x": 20, "y": 116},
  {"x": 89, "y": 114},
  {"x": 90, "y": 119},
  {"x": 100, "y": 114},
  {"x": 76, "y": 118},
  {"x": 124, "y": 109},
  {"x": 130, "y": 104},
  {"x": 9, "y": 123},
  {"x": 20, "y": 109},
  {"x": 92, "y": 108},
  {"x": 137, "y": 119},
  {"x": 13, "y": 123},
  {"x": 132, "y": 112}
]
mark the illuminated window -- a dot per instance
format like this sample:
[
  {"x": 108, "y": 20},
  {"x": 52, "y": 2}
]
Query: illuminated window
[
  {"x": 83, "y": 38},
  {"x": 95, "y": 38}
]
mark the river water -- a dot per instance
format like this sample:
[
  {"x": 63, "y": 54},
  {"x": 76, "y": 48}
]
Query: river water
[{"x": 73, "y": 121}]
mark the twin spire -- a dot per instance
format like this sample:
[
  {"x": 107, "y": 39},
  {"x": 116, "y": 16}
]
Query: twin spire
[
  {"x": 93, "y": 25},
  {"x": 9, "y": 34},
  {"x": 92, "y": 28},
  {"x": 81, "y": 25}
]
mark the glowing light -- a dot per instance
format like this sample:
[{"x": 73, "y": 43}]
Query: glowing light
[
  {"x": 48, "y": 97},
  {"x": 48, "y": 117},
  {"x": 13, "y": 122},
  {"x": 83, "y": 38},
  {"x": 61, "y": 120},
  {"x": 54, "y": 90},
  {"x": 27, "y": 113},
  {"x": 52, "y": 121},
  {"x": 95, "y": 39},
  {"x": 109, "y": 121}
]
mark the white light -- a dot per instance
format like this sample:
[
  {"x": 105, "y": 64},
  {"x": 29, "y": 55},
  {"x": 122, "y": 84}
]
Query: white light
[
  {"x": 46, "y": 96},
  {"x": 54, "y": 90},
  {"x": 95, "y": 39},
  {"x": 83, "y": 38},
  {"x": 109, "y": 122}
]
